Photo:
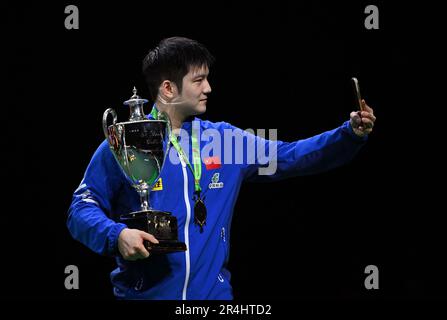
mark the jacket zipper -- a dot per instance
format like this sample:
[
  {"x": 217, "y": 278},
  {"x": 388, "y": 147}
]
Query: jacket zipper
[{"x": 186, "y": 231}]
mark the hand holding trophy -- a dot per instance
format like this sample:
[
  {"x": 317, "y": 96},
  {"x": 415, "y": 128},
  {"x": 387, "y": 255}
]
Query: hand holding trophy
[{"x": 140, "y": 147}]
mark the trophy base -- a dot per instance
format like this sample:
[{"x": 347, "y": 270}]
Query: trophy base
[
  {"x": 165, "y": 246},
  {"x": 161, "y": 224}
]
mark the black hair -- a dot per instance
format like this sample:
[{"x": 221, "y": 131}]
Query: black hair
[{"x": 171, "y": 60}]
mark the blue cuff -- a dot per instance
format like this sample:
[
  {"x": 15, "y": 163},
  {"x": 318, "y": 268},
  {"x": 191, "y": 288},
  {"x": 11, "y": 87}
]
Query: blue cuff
[{"x": 113, "y": 238}]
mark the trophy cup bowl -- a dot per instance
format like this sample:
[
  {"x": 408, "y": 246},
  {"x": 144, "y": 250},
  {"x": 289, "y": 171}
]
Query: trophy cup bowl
[{"x": 140, "y": 147}]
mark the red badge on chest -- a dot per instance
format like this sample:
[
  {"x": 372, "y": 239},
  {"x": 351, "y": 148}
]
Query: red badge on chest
[{"x": 212, "y": 163}]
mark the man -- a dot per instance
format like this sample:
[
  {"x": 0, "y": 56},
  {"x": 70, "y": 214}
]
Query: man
[{"x": 177, "y": 75}]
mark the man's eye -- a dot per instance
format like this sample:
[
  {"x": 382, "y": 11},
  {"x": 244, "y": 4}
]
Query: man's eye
[{"x": 198, "y": 80}]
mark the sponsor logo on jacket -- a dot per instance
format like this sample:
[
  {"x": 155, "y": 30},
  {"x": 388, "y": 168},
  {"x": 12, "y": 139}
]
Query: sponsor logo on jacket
[
  {"x": 215, "y": 184},
  {"x": 158, "y": 186}
]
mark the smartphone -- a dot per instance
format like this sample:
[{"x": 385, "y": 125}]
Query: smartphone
[{"x": 358, "y": 97}]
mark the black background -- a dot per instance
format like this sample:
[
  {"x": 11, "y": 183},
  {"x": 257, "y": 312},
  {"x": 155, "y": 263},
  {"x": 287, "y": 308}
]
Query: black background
[{"x": 279, "y": 66}]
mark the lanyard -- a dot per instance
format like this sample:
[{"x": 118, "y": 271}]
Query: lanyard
[{"x": 197, "y": 170}]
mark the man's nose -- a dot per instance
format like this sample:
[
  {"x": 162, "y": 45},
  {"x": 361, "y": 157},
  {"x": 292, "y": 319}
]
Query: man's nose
[{"x": 207, "y": 87}]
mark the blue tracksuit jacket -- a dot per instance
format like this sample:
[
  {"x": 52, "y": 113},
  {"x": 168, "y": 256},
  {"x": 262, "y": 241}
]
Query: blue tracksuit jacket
[{"x": 200, "y": 272}]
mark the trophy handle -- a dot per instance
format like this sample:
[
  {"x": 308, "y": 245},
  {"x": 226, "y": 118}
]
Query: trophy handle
[
  {"x": 164, "y": 116},
  {"x": 104, "y": 121}
]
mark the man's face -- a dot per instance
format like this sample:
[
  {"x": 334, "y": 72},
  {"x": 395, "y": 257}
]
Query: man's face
[{"x": 195, "y": 89}]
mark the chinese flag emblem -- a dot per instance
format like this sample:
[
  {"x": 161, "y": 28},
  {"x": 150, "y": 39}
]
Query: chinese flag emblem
[{"x": 212, "y": 163}]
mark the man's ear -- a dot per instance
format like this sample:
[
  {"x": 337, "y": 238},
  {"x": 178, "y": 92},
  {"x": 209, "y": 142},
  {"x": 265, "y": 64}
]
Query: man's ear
[{"x": 168, "y": 89}]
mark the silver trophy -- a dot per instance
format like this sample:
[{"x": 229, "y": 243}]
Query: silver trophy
[{"x": 140, "y": 147}]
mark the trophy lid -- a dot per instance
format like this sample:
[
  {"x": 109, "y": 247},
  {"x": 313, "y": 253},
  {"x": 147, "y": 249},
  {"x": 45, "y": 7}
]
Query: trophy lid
[
  {"x": 136, "y": 106},
  {"x": 135, "y": 99}
]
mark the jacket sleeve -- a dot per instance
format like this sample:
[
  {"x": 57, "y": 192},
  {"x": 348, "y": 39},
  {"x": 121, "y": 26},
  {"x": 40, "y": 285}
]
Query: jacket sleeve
[
  {"x": 276, "y": 160},
  {"x": 89, "y": 216}
]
